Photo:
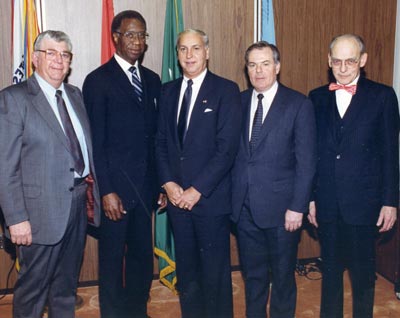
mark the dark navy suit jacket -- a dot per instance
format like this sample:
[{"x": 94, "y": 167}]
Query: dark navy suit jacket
[
  {"x": 210, "y": 145},
  {"x": 123, "y": 130},
  {"x": 279, "y": 174},
  {"x": 359, "y": 173}
]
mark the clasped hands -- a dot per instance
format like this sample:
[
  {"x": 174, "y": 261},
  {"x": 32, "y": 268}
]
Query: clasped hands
[{"x": 184, "y": 199}]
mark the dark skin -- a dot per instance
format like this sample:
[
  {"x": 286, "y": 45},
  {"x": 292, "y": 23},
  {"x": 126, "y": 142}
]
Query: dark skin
[{"x": 130, "y": 50}]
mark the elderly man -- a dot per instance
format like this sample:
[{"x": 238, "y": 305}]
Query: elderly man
[
  {"x": 357, "y": 184},
  {"x": 45, "y": 155},
  {"x": 197, "y": 141}
]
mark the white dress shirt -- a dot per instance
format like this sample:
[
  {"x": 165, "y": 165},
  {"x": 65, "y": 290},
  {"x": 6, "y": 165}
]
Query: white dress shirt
[{"x": 269, "y": 96}]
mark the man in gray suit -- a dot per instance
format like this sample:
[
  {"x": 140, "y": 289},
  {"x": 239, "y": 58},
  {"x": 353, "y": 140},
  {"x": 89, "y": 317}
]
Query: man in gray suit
[{"x": 45, "y": 157}]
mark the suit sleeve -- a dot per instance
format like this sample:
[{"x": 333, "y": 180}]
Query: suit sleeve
[
  {"x": 96, "y": 100},
  {"x": 163, "y": 167},
  {"x": 227, "y": 140},
  {"x": 305, "y": 154},
  {"x": 390, "y": 147},
  {"x": 12, "y": 200}
]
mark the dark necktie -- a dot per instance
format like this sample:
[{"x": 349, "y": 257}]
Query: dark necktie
[
  {"x": 183, "y": 115},
  {"x": 257, "y": 123},
  {"x": 348, "y": 88},
  {"x": 137, "y": 84},
  {"x": 74, "y": 145}
]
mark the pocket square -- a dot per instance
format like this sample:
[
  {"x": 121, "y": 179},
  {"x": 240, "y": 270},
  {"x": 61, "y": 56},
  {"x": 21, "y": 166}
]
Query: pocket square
[{"x": 207, "y": 110}]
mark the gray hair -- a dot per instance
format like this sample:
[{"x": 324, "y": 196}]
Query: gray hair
[
  {"x": 355, "y": 37},
  {"x": 58, "y": 36},
  {"x": 203, "y": 35},
  {"x": 260, "y": 45}
]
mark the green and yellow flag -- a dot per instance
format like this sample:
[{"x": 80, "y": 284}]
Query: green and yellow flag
[
  {"x": 164, "y": 241},
  {"x": 173, "y": 26}
]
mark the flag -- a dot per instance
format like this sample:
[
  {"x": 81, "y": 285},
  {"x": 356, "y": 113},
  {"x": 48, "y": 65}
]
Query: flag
[
  {"x": 164, "y": 248},
  {"x": 24, "y": 32},
  {"x": 107, "y": 45},
  {"x": 164, "y": 241},
  {"x": 173, "y": 26},
  {"x": 267, "y": 22}
]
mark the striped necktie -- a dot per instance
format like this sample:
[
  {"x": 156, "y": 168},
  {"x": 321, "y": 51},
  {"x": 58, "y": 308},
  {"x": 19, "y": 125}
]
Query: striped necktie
[{"x": 137, "y": 84}]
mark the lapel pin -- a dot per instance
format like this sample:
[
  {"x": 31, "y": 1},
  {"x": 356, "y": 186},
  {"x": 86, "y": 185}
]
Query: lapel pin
[{"x": 205, "y": 101}]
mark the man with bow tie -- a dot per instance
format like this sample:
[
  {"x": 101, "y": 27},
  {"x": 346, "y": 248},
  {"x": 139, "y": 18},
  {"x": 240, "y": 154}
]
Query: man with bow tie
[{"x": 357, "y": 183}]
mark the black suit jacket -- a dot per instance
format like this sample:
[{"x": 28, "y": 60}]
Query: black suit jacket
[
  {"x": 123, "y": 130},
  {"x": 210, "y": 145},
  {"x": 358, "y": 173},
  {"x": 279, "y": 174}
]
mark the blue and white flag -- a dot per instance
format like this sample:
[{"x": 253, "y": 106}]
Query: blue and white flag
[{"x": 267, "y": 22}]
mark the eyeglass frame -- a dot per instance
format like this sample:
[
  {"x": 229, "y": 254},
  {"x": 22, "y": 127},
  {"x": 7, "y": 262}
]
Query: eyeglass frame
[
  {"x": 60, "y": 53},
  {"x": 352, "y": 62},
  {"x": 131, "y": 35}
]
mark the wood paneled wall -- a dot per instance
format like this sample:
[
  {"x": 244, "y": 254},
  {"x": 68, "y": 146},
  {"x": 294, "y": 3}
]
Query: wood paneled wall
[{"x": 304, "y": 29}]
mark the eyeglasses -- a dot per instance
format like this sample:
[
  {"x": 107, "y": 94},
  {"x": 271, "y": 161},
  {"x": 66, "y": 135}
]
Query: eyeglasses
[
  {"x": 51, "y": 55},
  {"x": 348, "y": 62},
  {"x": 141, "y": 36}
]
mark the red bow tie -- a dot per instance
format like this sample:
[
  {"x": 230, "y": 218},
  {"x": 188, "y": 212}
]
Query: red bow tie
[{"x": 348, "y": 88}]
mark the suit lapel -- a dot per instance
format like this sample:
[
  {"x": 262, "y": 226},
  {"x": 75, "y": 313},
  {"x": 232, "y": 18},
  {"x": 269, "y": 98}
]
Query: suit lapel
[
  {"x": 246, "y": 117},
  {"x": 79, "y": 108},
  {"x": 274, "y": 115},
  {"x": 122, "y": 83},
  {"x": 173, "y": 109},
  {"x": 39, "y": 101}
]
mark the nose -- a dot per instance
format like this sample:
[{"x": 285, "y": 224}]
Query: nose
[
  {"x": 343, "y": 67},
  {"x": 258, "y": 68},
  {"x": 189, "y": 53},
  {"x": 58, "y": 58}
]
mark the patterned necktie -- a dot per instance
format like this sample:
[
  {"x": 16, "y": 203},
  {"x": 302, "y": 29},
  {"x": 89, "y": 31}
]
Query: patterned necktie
[
  {"x": 257, "y": 123},
  {"x": 75, "y": 148},
  {"x": 348, "y": 88},
  {"x": 137, "y": 84},
  {"x": 183, "y": 115}
]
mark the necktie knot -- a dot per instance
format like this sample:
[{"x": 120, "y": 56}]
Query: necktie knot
[
  {"x": 351, "y": 89},
  {"x": 190, "y": 83},
  {"x": 260, "y": 97}
]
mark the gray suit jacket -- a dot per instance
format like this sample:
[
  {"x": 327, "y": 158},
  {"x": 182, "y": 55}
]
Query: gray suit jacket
[{"x": 36, "y": 174}]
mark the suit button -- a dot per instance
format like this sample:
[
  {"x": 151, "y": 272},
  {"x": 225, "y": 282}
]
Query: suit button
[
  {"x": 338, "y": 157},
  {"x": 71, "y": 189},
  {"x": 182, "y": 158}
]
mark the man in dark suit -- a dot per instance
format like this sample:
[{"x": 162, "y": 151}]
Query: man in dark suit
[
  {"x": 272, "y": 181},
  {"x": 45, "y": 156},
  {"x": 121, "y": 97},
  {"x": 197, "y": 142},
  {"x": 357, "y": 182}
]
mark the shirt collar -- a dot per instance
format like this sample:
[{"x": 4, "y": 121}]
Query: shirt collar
[{"x": 124, "y": 64}]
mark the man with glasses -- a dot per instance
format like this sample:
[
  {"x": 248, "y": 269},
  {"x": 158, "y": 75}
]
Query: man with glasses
[
  {"x": 45, "y": 156},
  {"x": 121, "y": 98},
  {"x": 357, "y": 183}
]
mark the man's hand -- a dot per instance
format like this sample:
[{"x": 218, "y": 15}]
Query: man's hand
[
  {"x": 21, "y": 233},
  {"x": 312, "y": 214},
  {"x": 387, "y": 218},
  {"x": 189, "y": 199},
  {"x": 113, "y": 207},
  {"x": 162, "y": 201},
  {"x": 293, "y": 220},
  {"x": 174, "y": 191}
]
